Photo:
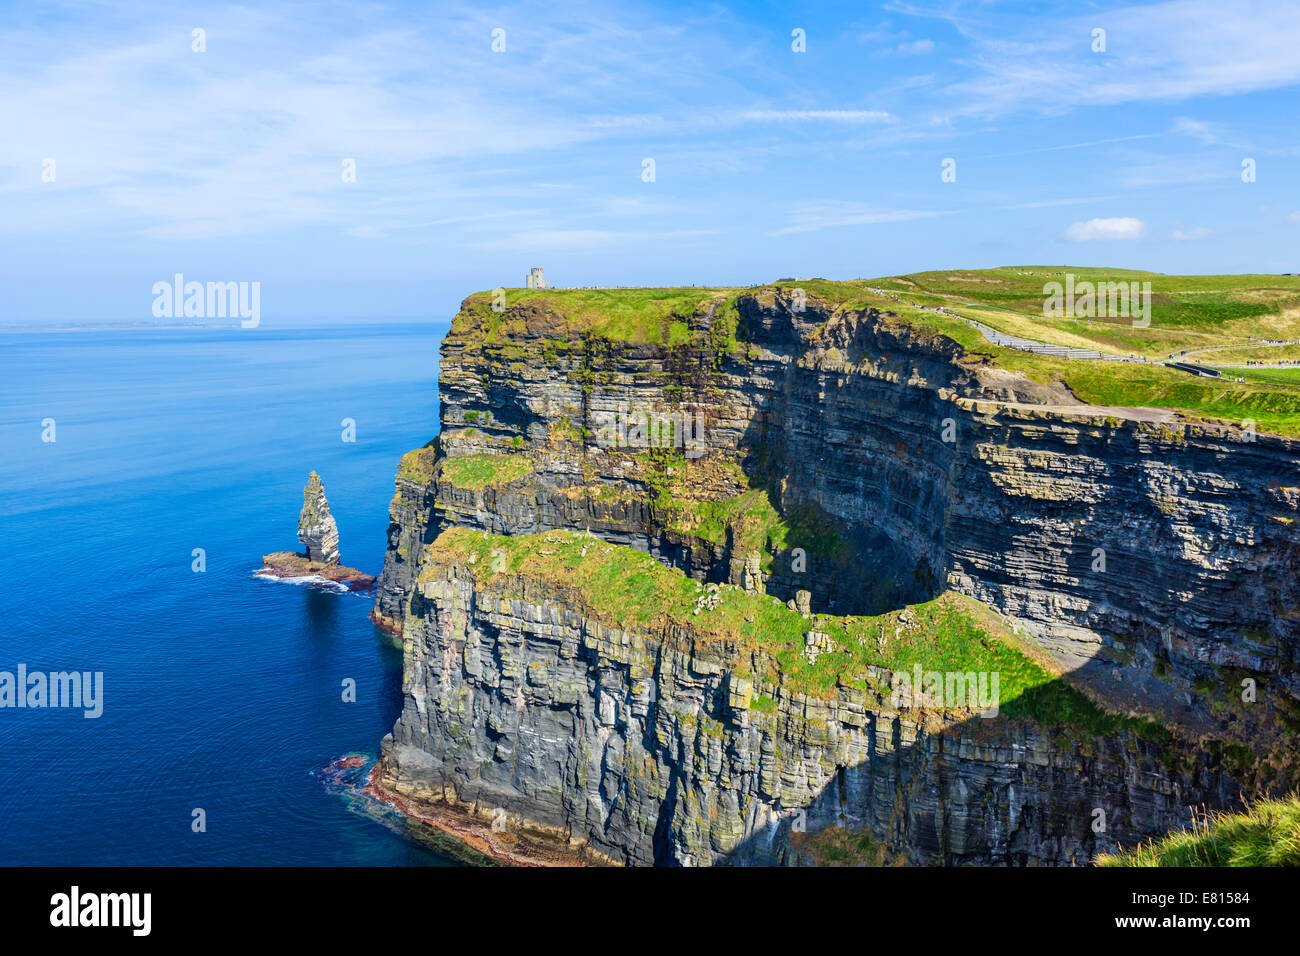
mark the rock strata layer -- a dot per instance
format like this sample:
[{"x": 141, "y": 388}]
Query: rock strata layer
[{"x": 317, "y": 530}]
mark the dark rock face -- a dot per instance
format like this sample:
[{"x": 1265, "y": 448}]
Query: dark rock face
[
  {"x": 1155, "y": 558},
  {"x": 316, "y": 527}
]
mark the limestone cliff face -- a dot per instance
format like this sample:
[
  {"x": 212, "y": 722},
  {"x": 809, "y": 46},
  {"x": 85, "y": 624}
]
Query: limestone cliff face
[
  {"x": 650, "y": 749},
  {"x": 1156, "y": 558}
]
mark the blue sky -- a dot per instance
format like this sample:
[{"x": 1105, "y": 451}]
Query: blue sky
[{"x": 473, "y": 165}]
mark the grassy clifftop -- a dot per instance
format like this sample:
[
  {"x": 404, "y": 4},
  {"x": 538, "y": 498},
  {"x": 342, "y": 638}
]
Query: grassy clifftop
[
  {"x": 1216, "y": 319},
  {"x": 636, "y": 316}
]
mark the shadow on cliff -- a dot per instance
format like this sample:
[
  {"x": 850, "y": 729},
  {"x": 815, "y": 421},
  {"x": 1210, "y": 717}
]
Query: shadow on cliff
[
  {"x": 997, "y": 791},
  {"x": 807, "y": 448}
]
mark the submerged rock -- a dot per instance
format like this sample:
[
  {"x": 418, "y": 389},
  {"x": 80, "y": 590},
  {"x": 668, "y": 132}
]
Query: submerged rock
[{"x": 317, "y": 529}]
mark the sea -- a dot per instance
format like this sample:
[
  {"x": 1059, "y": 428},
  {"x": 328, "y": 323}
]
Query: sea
[{"x": 143, "y": 473}]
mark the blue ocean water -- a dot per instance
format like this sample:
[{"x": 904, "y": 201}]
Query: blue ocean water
[{"x": 221, "y": 691}]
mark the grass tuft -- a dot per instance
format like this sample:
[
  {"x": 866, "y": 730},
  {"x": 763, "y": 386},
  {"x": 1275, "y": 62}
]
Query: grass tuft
[{"x": 1266, "y": 834}]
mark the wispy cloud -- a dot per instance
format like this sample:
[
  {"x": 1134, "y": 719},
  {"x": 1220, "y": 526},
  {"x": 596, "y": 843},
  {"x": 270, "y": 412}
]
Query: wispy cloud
[
  {"x": 916, "y": 47},
  {"x": 1180, "y": 170},
  {"x": 468, "y": 160},
  {"x": 553, "y": 240},
  {"x": 829, "y": 214},
  {"x": 1050, "y": 203},
  {"x": 834, "y": 116},
  {"x": 1205, "y": 48},
  {"x": 251, "y": 134}
]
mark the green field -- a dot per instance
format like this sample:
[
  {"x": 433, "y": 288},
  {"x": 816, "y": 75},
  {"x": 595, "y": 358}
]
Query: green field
[
  {"x": 1196, "y": 310},
  {"x": 1273, "y": 376},
  {"x": 1187, "y": 313}
]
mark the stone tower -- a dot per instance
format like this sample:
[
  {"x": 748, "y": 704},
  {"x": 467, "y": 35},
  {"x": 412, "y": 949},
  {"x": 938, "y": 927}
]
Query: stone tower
[
  {"x": 535, "y": 279},
  {"x": 316, "y": 528}
]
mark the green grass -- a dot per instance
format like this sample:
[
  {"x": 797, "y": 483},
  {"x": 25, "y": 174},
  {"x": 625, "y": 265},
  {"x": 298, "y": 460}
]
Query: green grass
[
  {"x": 641, "y": 315},
  {"x": 1267, "y": 834},
  {"x": 1271, "y": 376},
  {"x": 1211, "y": 303},
  {"x": 477, "y": 472},
  {"x": 1273, "y": 407},
  {"x": 1255, "y": 353},
  {"x": 750, "y": 516},
  {"x": 628, "y": 589},
  {"x": 1269, "y": 401},
  {"x": 418, "y": 465},
  {"x": 1188, "y": 312}
]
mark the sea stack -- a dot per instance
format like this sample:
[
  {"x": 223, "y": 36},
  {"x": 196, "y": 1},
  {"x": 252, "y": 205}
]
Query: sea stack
[
  {"x": 319, "y": 561},
  {"x": 317, "y": 529}
]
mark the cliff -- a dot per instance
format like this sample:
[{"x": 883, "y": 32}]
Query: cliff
[{"x": 1144, "y": 562}]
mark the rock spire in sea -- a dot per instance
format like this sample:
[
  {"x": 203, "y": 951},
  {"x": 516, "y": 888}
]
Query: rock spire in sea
[{"x": 316, "y": 527}]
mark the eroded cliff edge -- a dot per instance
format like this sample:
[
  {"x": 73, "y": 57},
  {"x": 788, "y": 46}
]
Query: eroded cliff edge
[{"x": 900, "y": 467}]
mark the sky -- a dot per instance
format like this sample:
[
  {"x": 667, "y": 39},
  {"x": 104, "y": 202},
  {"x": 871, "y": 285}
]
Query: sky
[{"x": 619, "y": 143}]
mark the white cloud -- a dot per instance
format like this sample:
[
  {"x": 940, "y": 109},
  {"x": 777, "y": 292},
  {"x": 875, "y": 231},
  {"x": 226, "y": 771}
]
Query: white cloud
[
  {"x": 1294, "y": 217},
  {"x": 916, "y": 47},
  {"x": 1199, "y": 232},
  {"x": 1117, "y": 228}
]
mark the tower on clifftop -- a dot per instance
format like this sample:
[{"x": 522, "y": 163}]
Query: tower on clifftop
[{"x": 535, "y": 279}]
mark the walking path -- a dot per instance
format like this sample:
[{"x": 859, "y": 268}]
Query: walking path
[
  {"x": 1253, "y": 344},
  {"x": 1173, "y": 360}
]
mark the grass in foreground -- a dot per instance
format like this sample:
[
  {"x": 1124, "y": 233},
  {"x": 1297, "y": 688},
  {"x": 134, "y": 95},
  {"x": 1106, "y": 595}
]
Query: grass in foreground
[{"x": 1268, "y": 834}]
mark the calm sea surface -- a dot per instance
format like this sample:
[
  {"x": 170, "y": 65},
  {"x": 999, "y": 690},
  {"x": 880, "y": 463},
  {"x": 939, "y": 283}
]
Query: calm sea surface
[{"x": 221, "y": 691}]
